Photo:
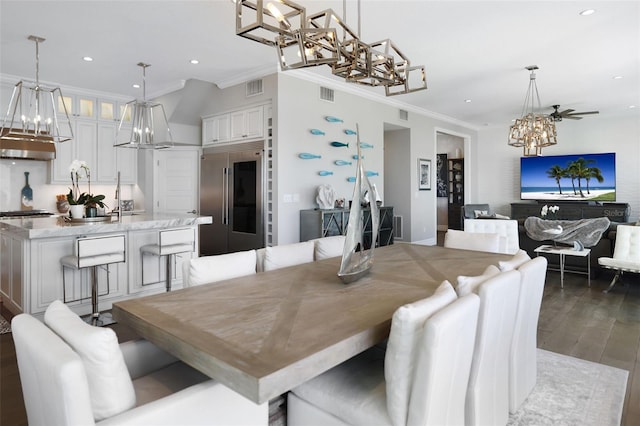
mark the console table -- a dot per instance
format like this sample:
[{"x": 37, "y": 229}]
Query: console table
[
  {"x": 616, "y": 212},
  {"x": 317, "y": 223}
]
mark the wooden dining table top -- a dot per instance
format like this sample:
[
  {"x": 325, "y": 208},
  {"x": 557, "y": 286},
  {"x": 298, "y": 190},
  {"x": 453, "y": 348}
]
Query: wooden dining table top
[{"x": 267, "y": 333}]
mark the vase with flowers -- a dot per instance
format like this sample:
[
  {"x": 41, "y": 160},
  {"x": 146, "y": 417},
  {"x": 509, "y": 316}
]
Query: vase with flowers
[
  {"x": 549, "y": 212},
  {"x": 81, "y": 203}
]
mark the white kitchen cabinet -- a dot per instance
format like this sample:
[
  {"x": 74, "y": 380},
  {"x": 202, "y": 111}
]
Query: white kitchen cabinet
[
  {"x": 77, "y": 105},
  {"x": 242, "y": 125},
  {"x": 81, "y": 147},
  {"x": 11, "y": 271},
  {"x": 215, "y": 129},
  {"x": 247, "y": 124},
  {"x": 112, "y": 159}
]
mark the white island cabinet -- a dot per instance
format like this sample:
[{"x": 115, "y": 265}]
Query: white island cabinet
[{"x": 31, "y": 276}]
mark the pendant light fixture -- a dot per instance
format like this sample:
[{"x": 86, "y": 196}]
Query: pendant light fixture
[
  {"x": 533, "y": 130},
  {"x": 305, "y": 40},
  {"x": 32, "y": 115},
  {"x": 143, "y": 124}
]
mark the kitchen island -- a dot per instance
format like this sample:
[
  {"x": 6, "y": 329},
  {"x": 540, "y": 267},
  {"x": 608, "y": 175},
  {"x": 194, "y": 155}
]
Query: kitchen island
[{"x": 31, "y": 276}]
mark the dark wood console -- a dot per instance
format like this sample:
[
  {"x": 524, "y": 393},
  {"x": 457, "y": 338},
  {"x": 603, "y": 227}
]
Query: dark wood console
[{"x": 616, "y": 212}]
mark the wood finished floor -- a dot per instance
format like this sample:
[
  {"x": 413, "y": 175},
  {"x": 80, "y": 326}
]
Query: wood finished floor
[{"x": 579, "y": 321}]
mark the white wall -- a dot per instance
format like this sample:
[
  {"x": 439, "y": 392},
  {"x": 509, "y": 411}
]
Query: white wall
[
  {"x": 300, "y": 109},
  {"x": 497, "y": 180}
]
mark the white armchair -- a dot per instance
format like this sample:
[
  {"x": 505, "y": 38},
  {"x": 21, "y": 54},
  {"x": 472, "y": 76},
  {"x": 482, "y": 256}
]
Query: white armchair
[
  {"x": 626, "y": 254},
  {"x": 507, "y": 229},
  {"x": 82, "y": 378}
]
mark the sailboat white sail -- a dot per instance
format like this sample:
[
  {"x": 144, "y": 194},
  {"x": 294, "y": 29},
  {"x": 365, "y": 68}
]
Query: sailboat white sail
[{"x": 356, "y": 261}]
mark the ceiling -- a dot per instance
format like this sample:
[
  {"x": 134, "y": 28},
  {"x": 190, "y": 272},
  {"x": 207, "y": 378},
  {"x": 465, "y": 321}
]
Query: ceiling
[{"x": 472, "y": 50}]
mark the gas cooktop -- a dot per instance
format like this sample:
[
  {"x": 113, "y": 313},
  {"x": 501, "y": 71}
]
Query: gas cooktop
[{"x": 25, "y": 213}]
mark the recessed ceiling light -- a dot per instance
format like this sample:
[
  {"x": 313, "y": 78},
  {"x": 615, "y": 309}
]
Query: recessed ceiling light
[
  {"x": 587, "y": 12},
  {"x": 632, "y": 106},
  {"x": 468, "y": 101},
  {"x": 87, "y": 59},
  {"x": 194, "y": 61},
  {"x": 617, "y": 77},
  {"x": 136, "y": 86}
]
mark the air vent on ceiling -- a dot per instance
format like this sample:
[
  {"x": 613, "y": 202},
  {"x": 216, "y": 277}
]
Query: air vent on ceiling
[
  {"x": 404, "y": 115},
  {"x": 254, "y": 87},
  {"x": 326, "y": 94}
]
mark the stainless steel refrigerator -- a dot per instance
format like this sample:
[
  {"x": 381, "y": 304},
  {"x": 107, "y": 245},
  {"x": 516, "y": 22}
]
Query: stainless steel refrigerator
[{"x": 231, "y": 192}]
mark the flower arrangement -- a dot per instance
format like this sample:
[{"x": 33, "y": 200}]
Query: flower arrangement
[
  {"x": 75, "y": 197},
  {"x": 550, "y": 211}
]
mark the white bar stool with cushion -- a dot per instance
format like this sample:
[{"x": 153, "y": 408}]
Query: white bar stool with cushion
[
  {"x": 92, "y": 252},
  {"x": 170, "y": 243}
]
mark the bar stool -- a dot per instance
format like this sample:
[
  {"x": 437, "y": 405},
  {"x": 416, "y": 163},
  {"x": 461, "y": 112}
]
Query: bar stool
[
  {"x": 170, "y": 243},
  {"x": 92, "y": 252}
]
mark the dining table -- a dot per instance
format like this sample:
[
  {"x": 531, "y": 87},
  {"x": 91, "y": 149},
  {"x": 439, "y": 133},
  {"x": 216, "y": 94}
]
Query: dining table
[{"x": 264, "y": 334}]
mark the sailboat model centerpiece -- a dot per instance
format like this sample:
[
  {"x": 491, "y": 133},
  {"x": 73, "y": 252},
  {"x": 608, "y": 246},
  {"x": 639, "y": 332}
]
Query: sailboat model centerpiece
[{"x": 356, "y": 261}]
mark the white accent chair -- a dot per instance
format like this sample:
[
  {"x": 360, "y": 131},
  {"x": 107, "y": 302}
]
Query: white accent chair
[
  {"x": 276, "y": 257},
  {"x": 626, "y": 254},
  {"x": 488, "y": 392},
  {"x": 327, "y": 247},
  {"x": 508, "y": 229},
  {"x": 434, "y": 353},
  {"x": 170, "y": 243},
  {"x": 209, "y": 269},
  {"x": 489, "y": 242},
  {"x": 81, "y": 376},
  {"x": 523, "y": 361},
  {"x": 94, "y": 252}
]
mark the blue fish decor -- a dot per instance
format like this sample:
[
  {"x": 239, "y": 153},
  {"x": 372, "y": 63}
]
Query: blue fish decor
[
  {"x": 331, "y": 119},
  {"x": 342, "y": 163},
  {"x": 349, "y": 132},
  {"x": 370, "y": 173},
  {"x": 355, "y": 157},
  {"x": 365, "y": 145},
  {"x": 325, "y": 173},
  {"x": 317, "y": 132},
  {"x": 307, "y": 156},
  {"x": 339, "y": 144},
  {"x": 351, "y": 179}
]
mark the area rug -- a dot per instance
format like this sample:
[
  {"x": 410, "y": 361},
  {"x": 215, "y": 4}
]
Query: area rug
[
  {"x": 571, "y": 391},
  {"x": 5, "y": 327}
]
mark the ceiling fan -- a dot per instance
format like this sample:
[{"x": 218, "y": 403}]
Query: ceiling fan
[{"x": 568, "y": 113}]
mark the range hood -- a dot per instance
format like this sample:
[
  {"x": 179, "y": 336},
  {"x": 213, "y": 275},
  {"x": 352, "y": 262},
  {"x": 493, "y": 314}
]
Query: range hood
[{"x": 27, "y": 149}]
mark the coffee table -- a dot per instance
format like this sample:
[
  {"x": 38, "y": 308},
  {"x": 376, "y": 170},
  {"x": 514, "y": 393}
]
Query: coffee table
[{"x": 562, "y": 252}]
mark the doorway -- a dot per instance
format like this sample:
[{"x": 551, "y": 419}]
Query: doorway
[{"x": 448, "y": 147}]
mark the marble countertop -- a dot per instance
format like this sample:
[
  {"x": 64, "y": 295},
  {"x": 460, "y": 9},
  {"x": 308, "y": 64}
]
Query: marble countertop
[{"x": 59, "y": 226}]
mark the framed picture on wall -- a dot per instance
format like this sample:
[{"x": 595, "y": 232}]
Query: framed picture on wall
[
  {"x": 442, "y": 177},
  {"x": 424, "y": 174}
]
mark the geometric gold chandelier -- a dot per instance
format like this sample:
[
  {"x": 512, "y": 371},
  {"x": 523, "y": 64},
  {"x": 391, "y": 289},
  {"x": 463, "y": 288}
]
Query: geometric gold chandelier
[
  {"x": 324, "y": 38},
  {"x": 533, "y": 130}
]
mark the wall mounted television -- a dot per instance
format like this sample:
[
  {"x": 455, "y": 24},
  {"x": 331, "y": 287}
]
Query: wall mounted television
[{"x": 581, "y": 177}]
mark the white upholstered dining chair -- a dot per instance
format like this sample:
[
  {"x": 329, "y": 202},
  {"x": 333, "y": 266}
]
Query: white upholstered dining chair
[
  {"x": 488, "y": 392},
  {"x": 523, "y": 359},
  {"x": 209, "y": 269},
  {"x": 276, "y": 257},
  {"x": 421, "y": 379},
  {"x": 327, "y": 247},
  {"x": 76, "y": 374},
  {"x": 478, "y": 241},
  {"x": 626, "y": 253},
  {"x": 507, "y": 229}
]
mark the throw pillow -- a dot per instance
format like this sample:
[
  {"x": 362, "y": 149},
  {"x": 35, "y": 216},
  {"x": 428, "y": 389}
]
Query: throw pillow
[
  {"x": 110, "y": 385},
  {"x": 478, "y": 213},
  {"x": 400, "y": 362},
  {"x": 467, "y": 285},
  {"x": 518, "y": 259}
]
